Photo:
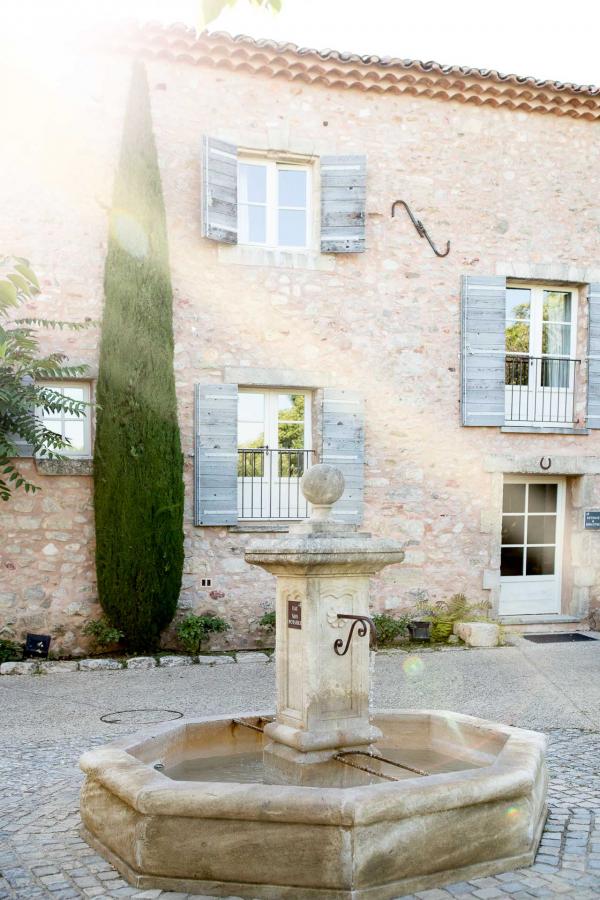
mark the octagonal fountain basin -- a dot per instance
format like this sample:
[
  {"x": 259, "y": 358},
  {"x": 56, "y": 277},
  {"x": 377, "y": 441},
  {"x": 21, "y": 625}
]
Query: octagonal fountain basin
[{"x": 194, "y": 806}]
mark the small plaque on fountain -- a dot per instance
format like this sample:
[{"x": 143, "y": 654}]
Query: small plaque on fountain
[{"x": 294, "y": 614}]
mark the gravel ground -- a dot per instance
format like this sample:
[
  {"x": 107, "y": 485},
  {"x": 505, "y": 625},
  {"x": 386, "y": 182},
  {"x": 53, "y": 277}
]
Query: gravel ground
[{"x": 47, "y": 721}]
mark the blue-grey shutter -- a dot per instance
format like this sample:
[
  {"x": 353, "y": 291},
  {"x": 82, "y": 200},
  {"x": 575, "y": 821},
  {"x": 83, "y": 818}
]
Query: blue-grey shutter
[
  {"x": 483, "y": 349},
  {"x": 215, "y": 454},
  {"x": 343, "y": 421},
  {"x": 593, "y": 403},
  {"x": 343, "y": 197},
  {"x": 219, "y": 183}
]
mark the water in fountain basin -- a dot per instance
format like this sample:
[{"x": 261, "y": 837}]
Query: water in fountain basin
[{"x": 249, "y": 768}]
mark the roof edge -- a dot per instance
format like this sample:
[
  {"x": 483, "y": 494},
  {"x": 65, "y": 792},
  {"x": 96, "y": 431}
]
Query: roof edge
[{"x": 332, "y": 68}]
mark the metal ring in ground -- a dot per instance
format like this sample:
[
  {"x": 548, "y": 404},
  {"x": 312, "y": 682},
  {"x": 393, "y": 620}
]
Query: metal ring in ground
[{"x": 128, "y": 716}]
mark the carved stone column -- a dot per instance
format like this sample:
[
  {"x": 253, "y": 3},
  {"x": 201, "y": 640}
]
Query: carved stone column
[{"x": 322, "y": 571}]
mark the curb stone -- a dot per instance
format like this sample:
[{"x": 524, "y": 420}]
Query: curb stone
[
  {"x": 66, "y": 666},
  {"x": 170, "y": 662},
  {"x": 252, "y": 657},
  {"x": 141, "y": 662},
  {"x": 19, "y": 668},
  {"x": 58, "y": 666},
  {"x": 99, "y": 665},
  {"x": 215, "y": 660}
]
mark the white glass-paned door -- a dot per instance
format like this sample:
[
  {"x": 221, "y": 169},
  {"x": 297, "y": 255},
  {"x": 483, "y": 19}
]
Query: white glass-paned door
[
  {"x": 274, "y": 449},
  {"x": 540, "y": 350},
  {"x": 531, "y": 553}
]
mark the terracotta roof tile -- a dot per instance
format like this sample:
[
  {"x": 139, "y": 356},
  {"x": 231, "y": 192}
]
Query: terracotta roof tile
[{"x": 367, "y": 73}]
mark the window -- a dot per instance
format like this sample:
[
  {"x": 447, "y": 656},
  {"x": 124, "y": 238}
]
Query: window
[
  {"x": 75, "y": 429},
  {"x": 540, "y": 340},
  {"x": 273, "y": 204},
  {"x": 274, "y": 449}
]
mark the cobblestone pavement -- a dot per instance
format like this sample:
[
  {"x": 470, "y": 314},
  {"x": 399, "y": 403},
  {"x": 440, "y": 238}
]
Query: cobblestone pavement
[{"x": 42, "y": 855}]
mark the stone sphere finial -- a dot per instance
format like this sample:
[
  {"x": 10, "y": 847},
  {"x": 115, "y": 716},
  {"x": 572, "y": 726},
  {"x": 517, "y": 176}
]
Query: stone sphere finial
[{"x": 322, "y": 485}]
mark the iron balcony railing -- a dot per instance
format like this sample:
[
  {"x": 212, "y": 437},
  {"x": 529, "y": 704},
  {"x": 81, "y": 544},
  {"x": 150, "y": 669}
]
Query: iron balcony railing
[
  {"x": 269, "y": 483},
  {"x": 541, "y": 390}
]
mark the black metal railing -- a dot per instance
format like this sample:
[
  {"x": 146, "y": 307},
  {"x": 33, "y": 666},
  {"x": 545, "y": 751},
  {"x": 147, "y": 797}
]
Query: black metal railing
[
  {"x": 540, "y": 389},
  {"x": 269, "y": 483}
]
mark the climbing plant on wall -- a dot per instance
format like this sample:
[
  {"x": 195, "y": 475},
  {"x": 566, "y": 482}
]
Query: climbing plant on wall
[{"x": 138, "y": 465}]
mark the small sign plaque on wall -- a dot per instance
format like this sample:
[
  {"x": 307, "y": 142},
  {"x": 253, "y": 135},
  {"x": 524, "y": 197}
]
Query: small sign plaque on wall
[
  {"x": 592, "y": 519},
  {"x": 294, "y": 614}
]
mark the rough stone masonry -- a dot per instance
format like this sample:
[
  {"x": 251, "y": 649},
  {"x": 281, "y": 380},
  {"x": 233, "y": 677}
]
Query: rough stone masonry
[{"x": 515, "y": 192}]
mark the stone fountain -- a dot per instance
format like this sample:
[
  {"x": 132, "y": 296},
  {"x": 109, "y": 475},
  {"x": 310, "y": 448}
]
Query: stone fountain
[{"x": 322, "y": 801}]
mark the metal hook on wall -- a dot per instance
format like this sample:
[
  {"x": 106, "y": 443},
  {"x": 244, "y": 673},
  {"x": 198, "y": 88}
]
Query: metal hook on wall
[{"x": 421, "y": 230}]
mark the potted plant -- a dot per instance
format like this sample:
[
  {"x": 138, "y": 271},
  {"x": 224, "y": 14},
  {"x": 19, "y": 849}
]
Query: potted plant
[{"x": 420, "y": 622}]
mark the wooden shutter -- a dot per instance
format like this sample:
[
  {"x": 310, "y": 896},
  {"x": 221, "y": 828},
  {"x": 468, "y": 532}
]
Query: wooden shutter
[
  {"x": 219, "y": 201},
  {"x": 483, "y": 350},
  {"x": 343, "y": 195},
  {"x": 593, "y": 403},
  {"x": 215, "y": 457},
  {"x": 343, "y": 423}
]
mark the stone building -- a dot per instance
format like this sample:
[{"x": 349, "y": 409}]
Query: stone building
[{"x": 459, "y": 392}]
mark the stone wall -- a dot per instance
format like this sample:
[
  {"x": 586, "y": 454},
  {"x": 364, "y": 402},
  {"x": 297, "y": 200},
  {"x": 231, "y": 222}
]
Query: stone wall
[{"x": 514, "y": 192}]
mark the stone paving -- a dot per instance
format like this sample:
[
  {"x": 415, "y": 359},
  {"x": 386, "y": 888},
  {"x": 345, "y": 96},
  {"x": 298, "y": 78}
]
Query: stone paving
[{"x": 43, "y": 856}]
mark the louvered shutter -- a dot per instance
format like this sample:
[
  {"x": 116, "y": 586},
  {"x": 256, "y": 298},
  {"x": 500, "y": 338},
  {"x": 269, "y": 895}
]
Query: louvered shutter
[
  {"x": 219, "y": 201},
  {"x": 343, "y": 195},
  {"x": 343, "y": 422},
  {"x": 215, "y": 457},
  {"x": 593, "y": 405},
  {"x": 483, "y": 350}
]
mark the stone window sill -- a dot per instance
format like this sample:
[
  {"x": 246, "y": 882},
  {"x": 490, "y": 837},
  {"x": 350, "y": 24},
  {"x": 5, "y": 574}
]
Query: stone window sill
[
  {"x": 243, "y": 255},
  {"x": 76, "y": 465},
  {"x": 531, "y": 429},
  {"x": 260, "y": 527},
  {"x": 548, "y": 619}
]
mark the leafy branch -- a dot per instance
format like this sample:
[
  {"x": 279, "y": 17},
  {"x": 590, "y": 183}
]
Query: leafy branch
[
  {"x": 212, "y": 9},
  {"x": 23, "y": 371}
]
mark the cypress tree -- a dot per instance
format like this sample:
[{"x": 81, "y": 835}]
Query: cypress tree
[{"x": 138, "y": 464}]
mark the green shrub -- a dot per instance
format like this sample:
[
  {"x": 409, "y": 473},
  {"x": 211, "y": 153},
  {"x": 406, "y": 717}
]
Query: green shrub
[
  {"x": 389, "y": 628},
  {"x": 444, "y": 613},
  {"x": 102, "y": 633},
  {"x": 138, "y": 464},
  {"x": 267, "y": 621},
  {"x": 10, "y": 651},
  {"x": 458, "y": 609},
  {"x": 194, "y": 630}
]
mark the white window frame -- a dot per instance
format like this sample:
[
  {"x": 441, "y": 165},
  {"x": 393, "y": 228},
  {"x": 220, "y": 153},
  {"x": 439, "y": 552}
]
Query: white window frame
[
  {"x": 534, "y": 403},
  {"x": 536, "y": 315},
  {"x": 272, "y": 413},
  {"x": 272, "y": 206},
  {"x": 269, "y": 478},
  {"x": 86, "y": 418}
]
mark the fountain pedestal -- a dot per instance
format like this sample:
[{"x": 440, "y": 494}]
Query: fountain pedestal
[{"x": 322, "y": 659}]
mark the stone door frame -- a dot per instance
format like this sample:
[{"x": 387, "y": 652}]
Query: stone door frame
[{"x": 581, "y": 563}]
